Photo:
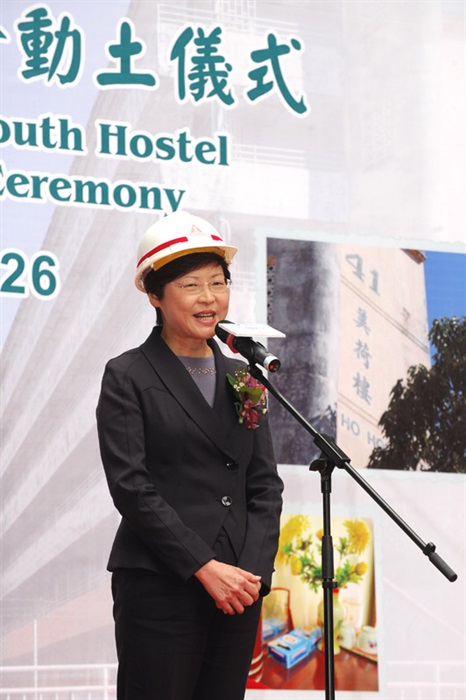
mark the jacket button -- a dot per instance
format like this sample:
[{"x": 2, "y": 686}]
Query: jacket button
[
  {"x": 232, "y": 465},
  {"x": 227, "y": 501}
]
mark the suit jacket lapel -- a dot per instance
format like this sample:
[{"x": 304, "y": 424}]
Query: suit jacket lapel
[{"x": 216, "y": 423}]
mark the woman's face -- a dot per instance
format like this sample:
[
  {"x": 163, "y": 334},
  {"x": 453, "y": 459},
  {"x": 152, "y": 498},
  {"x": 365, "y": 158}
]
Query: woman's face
[{"x": 190, "y": 318}]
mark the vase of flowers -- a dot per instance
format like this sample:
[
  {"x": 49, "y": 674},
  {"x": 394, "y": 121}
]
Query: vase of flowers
[
  {"x": 338, "y": 617},
  {"x": 301, "y": 549}
]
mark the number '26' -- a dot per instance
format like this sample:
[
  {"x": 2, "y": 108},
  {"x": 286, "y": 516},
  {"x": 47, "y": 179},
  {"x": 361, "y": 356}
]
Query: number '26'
[{"x": 37, "y": 275}]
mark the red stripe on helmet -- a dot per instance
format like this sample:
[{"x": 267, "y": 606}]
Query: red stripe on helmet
[{"x": 162, "y": 246}]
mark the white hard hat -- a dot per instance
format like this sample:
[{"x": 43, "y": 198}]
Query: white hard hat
[{"x": 176, "y": 235}]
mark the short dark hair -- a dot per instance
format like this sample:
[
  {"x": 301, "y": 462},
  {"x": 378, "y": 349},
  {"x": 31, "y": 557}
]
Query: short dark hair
[{"x": 156, "y": 280}]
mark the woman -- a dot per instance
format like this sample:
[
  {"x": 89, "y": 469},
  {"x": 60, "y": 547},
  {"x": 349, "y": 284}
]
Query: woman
[{"x": 198, "y": 491}]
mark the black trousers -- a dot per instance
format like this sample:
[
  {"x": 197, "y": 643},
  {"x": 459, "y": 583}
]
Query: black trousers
[{"x": 174, "y": 644}]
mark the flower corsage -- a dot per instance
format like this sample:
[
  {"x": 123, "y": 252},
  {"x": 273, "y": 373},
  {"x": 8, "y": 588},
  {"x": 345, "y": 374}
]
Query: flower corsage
[{"x": 250, "y": 397}]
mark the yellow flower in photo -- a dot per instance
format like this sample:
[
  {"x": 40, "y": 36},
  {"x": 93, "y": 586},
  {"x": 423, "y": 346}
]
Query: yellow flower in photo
[
  {"x": 301, "y": 550},
  {"x": 361, "y": 568},
  {"x": 293, "y": 527},
  {"x": 296, "y": 566},
  {"x": 358, "y": 534}
]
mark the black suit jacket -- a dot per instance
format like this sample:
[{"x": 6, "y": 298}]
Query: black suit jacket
[{"x": 179, "y": 470}]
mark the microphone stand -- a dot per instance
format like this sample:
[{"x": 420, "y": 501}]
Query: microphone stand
[{"x": 332, "y": 456}]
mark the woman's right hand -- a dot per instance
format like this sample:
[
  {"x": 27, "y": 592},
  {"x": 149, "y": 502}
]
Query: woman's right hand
[{"x": 232, "y": 588}]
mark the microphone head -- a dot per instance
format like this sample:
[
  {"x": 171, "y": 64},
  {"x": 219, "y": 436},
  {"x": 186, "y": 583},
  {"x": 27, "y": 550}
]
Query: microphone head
[
  {"x": 221, "y": 332},
  {"x": 225, "y": 337}
]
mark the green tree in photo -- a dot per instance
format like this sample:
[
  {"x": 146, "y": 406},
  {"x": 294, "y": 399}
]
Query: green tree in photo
[{"x": 425, "y": 423}]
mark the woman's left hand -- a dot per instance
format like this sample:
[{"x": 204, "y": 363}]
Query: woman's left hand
[{"x": 232, "y": 588}]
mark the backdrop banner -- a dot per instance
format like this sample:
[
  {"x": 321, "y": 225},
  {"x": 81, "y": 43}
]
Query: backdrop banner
[{"x": 326, "y": 141}]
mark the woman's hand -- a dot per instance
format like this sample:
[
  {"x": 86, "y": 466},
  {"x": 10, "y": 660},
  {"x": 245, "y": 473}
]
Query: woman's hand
[{"x": 232, "y": 588}]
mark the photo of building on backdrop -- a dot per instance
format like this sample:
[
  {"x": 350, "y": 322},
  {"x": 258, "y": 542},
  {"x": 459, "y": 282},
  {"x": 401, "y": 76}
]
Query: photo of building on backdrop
[{"x": 374, "y": 337}]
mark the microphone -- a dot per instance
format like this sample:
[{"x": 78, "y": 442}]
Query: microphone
[{"x": 254, "y": 352}]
